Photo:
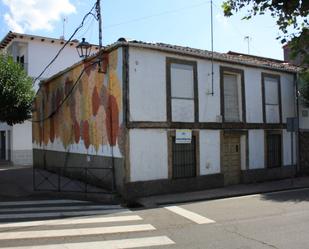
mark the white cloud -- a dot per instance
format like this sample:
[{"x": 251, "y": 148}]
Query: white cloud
[{"x": 32, "y": 15}]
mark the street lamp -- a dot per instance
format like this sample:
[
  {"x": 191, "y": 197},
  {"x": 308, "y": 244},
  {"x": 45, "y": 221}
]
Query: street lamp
[{"x": 83, "y": 49}]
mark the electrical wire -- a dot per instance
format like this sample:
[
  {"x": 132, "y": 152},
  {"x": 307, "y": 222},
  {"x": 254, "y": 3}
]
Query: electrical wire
[
  {"x": 88, "y": 26},
  {"x": 66, "y": 43},
  {"x": 66, "y": 97},
  {"x": 156, "y": 15}
]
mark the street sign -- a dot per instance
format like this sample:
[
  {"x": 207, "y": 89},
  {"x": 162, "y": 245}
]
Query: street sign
[
  {"x": 183, "y": 136},
  {"x": 292, "y": 124}
]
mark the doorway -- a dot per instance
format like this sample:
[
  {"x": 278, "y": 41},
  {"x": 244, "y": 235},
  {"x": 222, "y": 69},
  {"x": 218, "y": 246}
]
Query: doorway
[
  {"x": 231, "y": 159},
  {"x": 2, "y": 145}
]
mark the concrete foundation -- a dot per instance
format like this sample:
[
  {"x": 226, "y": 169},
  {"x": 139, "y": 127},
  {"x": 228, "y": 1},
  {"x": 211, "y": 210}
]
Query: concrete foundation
[
  {"x": 261, "y": 175},
  {"x": 134, "y": 190},
  {"x": 21, "y": 157}
]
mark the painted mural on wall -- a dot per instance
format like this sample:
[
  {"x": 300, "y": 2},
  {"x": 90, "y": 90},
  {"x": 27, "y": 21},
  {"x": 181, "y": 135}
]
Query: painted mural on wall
[{"x": 90, "y": 119}]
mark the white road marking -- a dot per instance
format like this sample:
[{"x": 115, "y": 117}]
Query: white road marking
[
  {"x": 109, "y": 244},
  {"x": 74, "y": 232},
  {"x": 235, "y": 198},
  {"x": 62, "y": 214},
  {"x": 63, "y": 208},
  {"x": 91, "y": 220},
  {"x": 190, "y": 215},
  {"x": 41, "y": 202}
]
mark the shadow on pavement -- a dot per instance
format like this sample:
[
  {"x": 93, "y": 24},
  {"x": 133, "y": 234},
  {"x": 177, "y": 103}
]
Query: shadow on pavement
[{"x": 297, "y": 195}]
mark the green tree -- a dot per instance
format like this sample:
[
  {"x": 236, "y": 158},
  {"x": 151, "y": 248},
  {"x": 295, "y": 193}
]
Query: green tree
[
  {"x": 292, "y": 19},
  {"x": 16, "y": 92}
]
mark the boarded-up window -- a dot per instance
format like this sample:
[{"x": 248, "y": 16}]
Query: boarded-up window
[
  {"x": 182, "y": 92},
  {"x": 271, "y": 91},
  {"x": 274, "y": 150},
  {"x": 231, "y": 98}
]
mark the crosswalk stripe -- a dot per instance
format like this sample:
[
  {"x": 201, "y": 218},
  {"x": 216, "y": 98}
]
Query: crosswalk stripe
[
  {"x": 62, "y": 214},
  {"x": 41, "y": 202},
  {"x": 92, "y": 220},
  {"x": 109, "y": 244},
  {"x": 199, "y": 219},
  {"x": 74, "y": 232},
  {"x": 89, "y": 207}
]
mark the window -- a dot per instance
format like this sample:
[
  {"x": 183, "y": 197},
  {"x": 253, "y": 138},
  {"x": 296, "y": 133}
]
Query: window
[
  {"x": 271, "y": 97},
  {"x": 273, "y": 150},
  {"x": 184, "y": 159},
  {"x": 182, "y": 91},
  {"x": 232, "y": 95}
]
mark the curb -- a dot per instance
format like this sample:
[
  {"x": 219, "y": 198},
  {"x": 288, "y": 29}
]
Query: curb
[{"x": 225, "y": 196}]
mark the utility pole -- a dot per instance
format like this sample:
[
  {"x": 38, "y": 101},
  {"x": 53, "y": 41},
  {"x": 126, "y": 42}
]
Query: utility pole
[
  {"x": 99, "y": 18},
  {"x": 212, "y": 48}
]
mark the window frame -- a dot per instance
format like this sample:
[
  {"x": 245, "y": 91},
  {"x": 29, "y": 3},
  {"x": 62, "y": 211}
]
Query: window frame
[
  {"x": 278, "y": 79},
  {"x": 240, "y": 74},
  {"x": 169, "y": 62}
]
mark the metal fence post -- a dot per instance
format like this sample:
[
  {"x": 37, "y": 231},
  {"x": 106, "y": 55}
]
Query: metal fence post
[
  {"x": 33, "y": 178},
  {"x": 86, "y": 176}
]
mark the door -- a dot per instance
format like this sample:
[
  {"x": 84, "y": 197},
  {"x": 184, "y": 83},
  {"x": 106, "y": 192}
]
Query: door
[
  {"x": 274, "y": 149},
  {"x": 231, "y": 159},
  {"x": 2, "y": 145}
]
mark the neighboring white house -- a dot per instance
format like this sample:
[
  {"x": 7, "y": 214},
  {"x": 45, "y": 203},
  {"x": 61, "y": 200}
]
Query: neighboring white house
[
  {"x": 152, "y": 97},
  {"x": 303, "y": 116},
  {"x": 33, "y": 53}
]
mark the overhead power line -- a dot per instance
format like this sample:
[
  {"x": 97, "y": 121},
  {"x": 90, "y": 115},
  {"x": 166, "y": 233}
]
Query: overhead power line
[
  {"x": 156, "y": 15},
  {"x": 66, "y": 43},
  {"x": 67, "y": 96}
]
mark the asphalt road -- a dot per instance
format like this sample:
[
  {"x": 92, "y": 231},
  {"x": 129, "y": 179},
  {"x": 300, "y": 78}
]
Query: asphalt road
[{"x": 277, "y": 220}]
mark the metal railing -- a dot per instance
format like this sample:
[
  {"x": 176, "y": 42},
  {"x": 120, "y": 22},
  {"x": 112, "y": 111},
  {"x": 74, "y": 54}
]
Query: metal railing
[{"x": 74, "y": 179}]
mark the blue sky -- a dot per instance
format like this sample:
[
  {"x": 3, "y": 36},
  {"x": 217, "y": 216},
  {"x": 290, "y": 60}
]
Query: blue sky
[{"x": 180, "y": 22}]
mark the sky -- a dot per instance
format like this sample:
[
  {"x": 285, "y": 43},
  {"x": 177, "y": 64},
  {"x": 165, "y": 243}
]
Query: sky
[{"x": 177, "y": 22}]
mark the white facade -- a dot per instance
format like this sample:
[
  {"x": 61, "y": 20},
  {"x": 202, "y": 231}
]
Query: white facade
[
  {"x": 34, "y": 53},
  {"x": 148, "y": 103}
]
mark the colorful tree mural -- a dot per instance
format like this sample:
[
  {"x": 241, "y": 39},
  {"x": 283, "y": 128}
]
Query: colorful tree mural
[{"x": 91, "y": 112}]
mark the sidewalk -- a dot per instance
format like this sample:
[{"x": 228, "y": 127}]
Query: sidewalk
[
  {"x": 16, "y": 183},
  {"x": 225, "y": 192}
]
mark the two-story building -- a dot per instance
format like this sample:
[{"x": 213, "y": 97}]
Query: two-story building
[
  {"x": 172, "y": 118},
  {"x": 33, "y": 53}
]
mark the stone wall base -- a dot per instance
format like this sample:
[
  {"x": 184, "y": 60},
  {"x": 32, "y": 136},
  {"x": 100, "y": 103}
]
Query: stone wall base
[
  {"x": 135, "y": 190},
  {"x": 261, "y": 175}
]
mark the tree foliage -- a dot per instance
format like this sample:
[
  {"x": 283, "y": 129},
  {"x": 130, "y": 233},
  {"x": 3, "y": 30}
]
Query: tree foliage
[
  {"x": 16, "y": 92},
  {"x": 293, "y": 22}
]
